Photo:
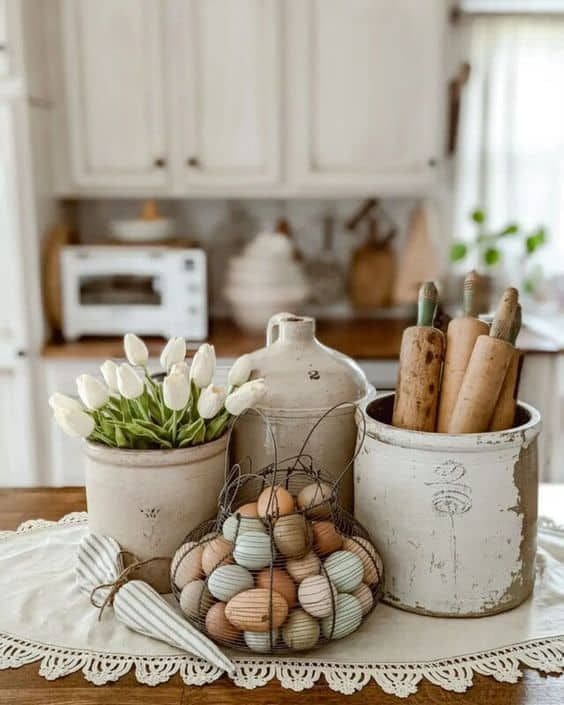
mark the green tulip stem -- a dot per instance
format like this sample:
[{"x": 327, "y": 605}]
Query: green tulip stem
[{"x": 174, "y": 425}]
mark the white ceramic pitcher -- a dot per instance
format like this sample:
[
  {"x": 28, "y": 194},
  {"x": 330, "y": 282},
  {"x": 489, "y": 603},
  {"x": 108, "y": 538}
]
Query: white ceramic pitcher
[{"x": 304, "y": 380}]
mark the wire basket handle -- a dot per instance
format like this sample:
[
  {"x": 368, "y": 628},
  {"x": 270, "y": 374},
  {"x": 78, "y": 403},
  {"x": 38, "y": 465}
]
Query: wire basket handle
[
  {"x": 359, "y": 445},
  {"x": 258, "y": 412}
]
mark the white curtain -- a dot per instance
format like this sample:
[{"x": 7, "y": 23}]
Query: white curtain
[{"x": 511, "y": 141}]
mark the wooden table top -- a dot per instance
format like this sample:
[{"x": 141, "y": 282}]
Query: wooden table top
[
  {"x": 361, "y": 339},
  {"x": 23, "y": 686}
]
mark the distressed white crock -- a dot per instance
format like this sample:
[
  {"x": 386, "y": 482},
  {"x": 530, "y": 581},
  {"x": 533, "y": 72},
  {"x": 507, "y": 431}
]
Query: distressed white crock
[
  {"x": 304, "y": 379},
  {"x": 149, "y": 500},
  {"x": 454, "y": 516}
]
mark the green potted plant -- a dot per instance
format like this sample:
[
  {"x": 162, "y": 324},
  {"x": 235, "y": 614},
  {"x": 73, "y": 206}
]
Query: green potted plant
[
  {"x": 155, "y": 448},
  {"x": 488, "y": 246}
]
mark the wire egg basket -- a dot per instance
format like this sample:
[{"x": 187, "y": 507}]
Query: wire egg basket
[{"x": 282, "y": 567}]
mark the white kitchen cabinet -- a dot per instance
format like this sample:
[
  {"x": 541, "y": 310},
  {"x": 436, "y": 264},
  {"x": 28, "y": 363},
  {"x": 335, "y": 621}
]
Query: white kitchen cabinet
[
  {"x": 19, "y": 327},
  {"x": 115, "y": 93},
  {"x": 266, "y": 97},
  {"x": 226, "y": 78},
  {"x": 365, "y": 93}
]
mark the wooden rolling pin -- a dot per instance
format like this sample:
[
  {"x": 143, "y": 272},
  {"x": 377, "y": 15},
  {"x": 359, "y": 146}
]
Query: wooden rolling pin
[
  {"x": 462, "y": 334},
  {"x": 504, "y": 412},
  {"x": 486, "y": 372},
  {"x": 421, "y": 358}
]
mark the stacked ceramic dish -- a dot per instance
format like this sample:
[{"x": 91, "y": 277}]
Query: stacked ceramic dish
[{"x": 263, "y": 279}]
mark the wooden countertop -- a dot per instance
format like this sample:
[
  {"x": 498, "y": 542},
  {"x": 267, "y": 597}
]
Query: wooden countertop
[
  {"x": 23, "y": 685},
  {"x": 362, "y": 339}
]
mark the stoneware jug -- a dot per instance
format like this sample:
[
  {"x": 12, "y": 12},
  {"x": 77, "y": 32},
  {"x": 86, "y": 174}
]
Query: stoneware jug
[{"x": 304, "y": 380}]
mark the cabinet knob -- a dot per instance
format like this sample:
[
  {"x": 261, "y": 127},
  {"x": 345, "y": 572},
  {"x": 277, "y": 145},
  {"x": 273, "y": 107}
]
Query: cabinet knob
[
  {"x": 159, "y": 162},
  {"x": 193, "y": 162}
]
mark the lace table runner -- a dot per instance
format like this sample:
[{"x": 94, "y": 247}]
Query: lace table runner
[{"x": 44, "y": 617}]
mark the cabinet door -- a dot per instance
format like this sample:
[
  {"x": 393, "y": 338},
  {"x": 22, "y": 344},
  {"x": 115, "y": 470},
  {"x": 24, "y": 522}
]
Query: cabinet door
[
  {"x": 365, "y": 81},
  {"x": 18, "y": 437},
  {"x": 115, "y": 92},
  {"x": 227, "y": 83}
]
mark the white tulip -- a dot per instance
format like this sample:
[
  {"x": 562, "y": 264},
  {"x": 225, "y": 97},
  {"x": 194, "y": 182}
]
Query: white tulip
[
  {"x": 174, "y": 351},
  {"x": 180, "y": 368},
  {"x": 135, "y": 350},
  {"x": 202, "y": 368},
  {"x": 245, "y": 397},
  {"x": 176, "y": 391},
  {"x": 211, "y": 401},
  {"x": 78, "y": 424},
  {"x": 240, "y": 372},
  {"x": 92, "y": 392},
  {"x": 62, "y": 401},
  {"x": 109, "y": 372},
  {"x": 130, "y": 385}
]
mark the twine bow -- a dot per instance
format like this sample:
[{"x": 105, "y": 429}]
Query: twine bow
[{"x": 121, "y": 579}]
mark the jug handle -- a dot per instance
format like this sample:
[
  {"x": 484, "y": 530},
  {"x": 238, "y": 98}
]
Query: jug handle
[{"x": 272, "y": 329}]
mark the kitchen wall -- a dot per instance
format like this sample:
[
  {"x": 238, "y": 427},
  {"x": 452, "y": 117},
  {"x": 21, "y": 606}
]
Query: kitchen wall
[{"x": 222, "y": 227}]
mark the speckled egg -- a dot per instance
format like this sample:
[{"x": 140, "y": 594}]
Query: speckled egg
[
  {"x": 326, "y": 538},
  {"x": 300, "y": 631},
  {"x": 314, "y": 499},
  {"x": 235, "y": 525},
  {"x": 347, "y": 618},
  {"x": 195, "y": 599},
  {"x": 292, "y": 535},
  {"x": 216, "y": 552},
  {"x": 186, "y": 564},
  {"x": 300, "y": 568},
  {"x": 364, "y": 595},
  {"x": 317, "y": 595},
  {"x": 344, "y": 570},
  {"x": 218, "y": 626},
  {"x": 228, "y": 580},
  {"x": 257, "y": 610},
  {"x": 253, "y": 550},
  {"x": 275, "y": 502},
  {"x": 371, "y": 561},
  {"x": 280, "y": 581},
  {"x": 263, "y": 643}
]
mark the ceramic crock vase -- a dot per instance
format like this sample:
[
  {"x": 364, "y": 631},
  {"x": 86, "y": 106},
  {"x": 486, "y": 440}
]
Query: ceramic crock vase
[
  {"x": 304, "y": 380},
  {"x": 454, "y": 516},
  {"x": 149, "y": 500}
]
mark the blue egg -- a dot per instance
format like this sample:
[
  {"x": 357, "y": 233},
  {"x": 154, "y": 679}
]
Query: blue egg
[{"x": 253, "y": 550}]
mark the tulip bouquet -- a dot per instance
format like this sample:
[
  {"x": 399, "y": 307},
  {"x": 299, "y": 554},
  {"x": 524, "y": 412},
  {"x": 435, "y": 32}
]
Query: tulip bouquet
[{"x": 132, "y": 409}]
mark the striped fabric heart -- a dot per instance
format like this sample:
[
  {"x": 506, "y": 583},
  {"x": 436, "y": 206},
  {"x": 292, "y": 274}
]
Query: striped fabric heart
[{"x": 100, "y": 571}]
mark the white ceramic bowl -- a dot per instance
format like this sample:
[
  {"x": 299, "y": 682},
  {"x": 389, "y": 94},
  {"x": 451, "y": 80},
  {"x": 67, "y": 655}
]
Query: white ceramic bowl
[{"x": 138, "y": 230}]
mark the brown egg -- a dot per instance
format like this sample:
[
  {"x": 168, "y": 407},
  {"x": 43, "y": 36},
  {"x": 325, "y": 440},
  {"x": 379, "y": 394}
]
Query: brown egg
[
  {"x": 325, "y": 537},
  {"x": 195, "y": 599},
  {"x": 217, "y": 624},
  {"x": 292, "y": 535},
  {"x": 250, "y": 509},
  {"x": 314, "y": 499},
  {"x": 187, "y": 564},
  {"x": 300, "y": 568},
  {"x": 252, "y": 610},
  {"x": 275, "y": 502},
  {"x": 216, "y": 552},
  {"x": 371, "y": 561},
  {"x": 282, "y": 583},
  {"x": 364, "y": 595}
]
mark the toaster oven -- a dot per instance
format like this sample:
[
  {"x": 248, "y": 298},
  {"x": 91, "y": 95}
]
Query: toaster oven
[{"x": 147, "y": 290}]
